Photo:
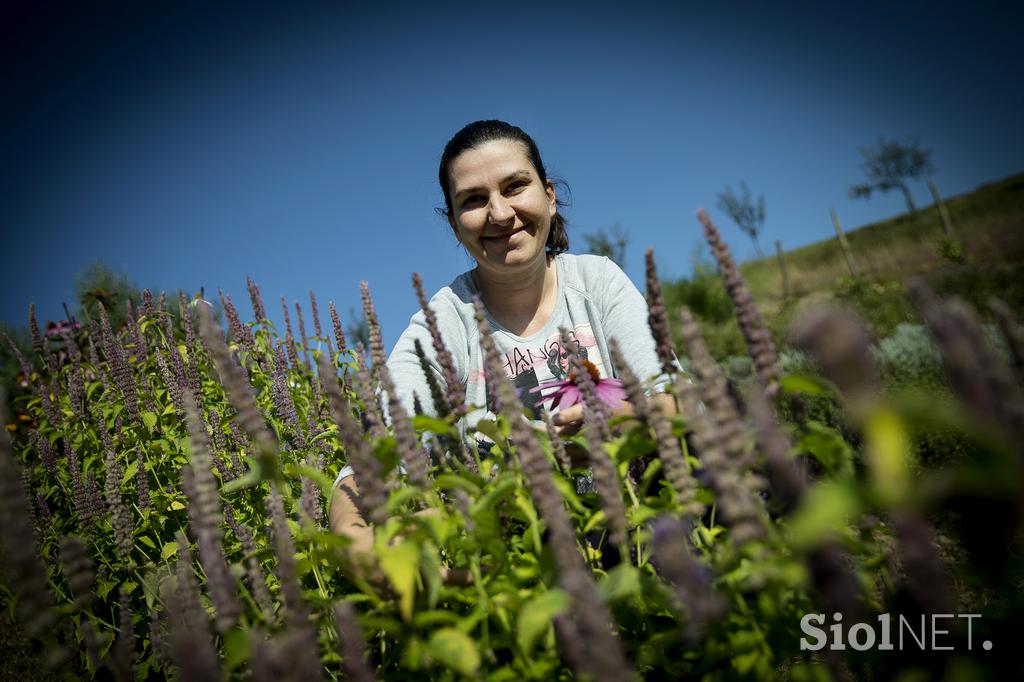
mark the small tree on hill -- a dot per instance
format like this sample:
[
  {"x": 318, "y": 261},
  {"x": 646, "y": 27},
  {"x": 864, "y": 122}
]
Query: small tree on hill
[
  {"x": 99, "y": 284},
  {"x": 611, "y": 243},
  {"x": 890, "y": 165},
  {"x": 745, "y": 212}
]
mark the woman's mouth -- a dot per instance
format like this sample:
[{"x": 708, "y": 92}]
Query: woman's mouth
[{"x": 504, "y": 235}]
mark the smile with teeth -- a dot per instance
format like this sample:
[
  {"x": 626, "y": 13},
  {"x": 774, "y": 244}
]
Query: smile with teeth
[{"x": 505, "y": 235}]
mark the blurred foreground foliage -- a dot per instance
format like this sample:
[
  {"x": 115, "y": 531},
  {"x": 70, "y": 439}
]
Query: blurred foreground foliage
[{"x": 165, "y": 493}]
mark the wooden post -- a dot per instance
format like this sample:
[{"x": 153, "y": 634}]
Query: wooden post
[
  {"x": 782, "y": 269},
  {"x": 947, "y": 222},
  {"x": 845, "y": 245}
]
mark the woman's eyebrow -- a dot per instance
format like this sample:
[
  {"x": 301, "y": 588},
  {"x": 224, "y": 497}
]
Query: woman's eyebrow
[{"x": 511, "y": 176}]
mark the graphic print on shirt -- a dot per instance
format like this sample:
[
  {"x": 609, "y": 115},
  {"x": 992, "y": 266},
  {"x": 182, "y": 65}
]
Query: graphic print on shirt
[{"x": 528, "y": 366}]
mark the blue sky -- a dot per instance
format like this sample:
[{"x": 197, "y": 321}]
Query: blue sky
[{"x": 193, "y": 145}]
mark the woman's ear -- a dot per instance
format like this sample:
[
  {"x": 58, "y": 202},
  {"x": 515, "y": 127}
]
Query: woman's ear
[
  {"x": 549, "y": 189},
  {"x": 455, "y": 229}
]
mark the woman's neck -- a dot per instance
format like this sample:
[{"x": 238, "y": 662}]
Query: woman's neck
[{"x": 522, "y": 301}]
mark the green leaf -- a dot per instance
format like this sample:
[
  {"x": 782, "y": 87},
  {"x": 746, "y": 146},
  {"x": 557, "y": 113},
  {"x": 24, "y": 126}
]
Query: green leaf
[
  {"x": 130, "y": 472},
  {"x": 505, "y": 486},
  {"x": 806, "y": 384},
  {"x": 621, "y": 582},
  {"x": 431, "y": 563},
  {"x": 176, "y": 505},
  {"x": 828, "y": 447},
  {"x": 149, "y": 419},
  {"x": 497, "y": 433},
  {"x": 422, "y": 422},
  {"x": 454, "y": 481},
  {"x": 535, "y": 617},
  {"x": 237, "y": 649},
  {"x": 169, "y": 550},
  {"x": 826, "y": 509},
  {"x": 104, "y": 588},
  {"x": 456, "y": 650},
  {"x": 888, "y": 448},
  {"x": 401, "y": 565},
  {"x": 147, "y": 541}
]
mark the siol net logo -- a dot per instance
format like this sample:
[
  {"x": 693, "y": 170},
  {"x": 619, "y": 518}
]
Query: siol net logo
[{"x": 928, "y": 633}]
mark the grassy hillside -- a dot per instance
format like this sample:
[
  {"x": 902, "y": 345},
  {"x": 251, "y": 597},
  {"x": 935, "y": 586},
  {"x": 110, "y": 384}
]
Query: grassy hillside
[
  {"x": 989, "y": 226},
  {"x": 989, "y": 222}
]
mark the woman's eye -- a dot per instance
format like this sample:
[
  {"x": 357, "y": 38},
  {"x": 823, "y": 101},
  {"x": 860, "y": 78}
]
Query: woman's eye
[{"x": 472, "y": 201}]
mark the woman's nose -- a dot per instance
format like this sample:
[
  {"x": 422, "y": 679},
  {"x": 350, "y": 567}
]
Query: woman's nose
[{"x": 500, "y": 210}]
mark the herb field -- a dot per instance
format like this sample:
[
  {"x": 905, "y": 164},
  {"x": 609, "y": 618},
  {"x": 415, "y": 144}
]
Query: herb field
[{"x": 166, "y": 490}]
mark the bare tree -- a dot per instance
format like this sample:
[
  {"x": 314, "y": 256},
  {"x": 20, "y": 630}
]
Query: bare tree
[
  {"x": 889, "y": 165},
  {"x": 611, "y": 243},
  {"x": 745, "y": 212}
]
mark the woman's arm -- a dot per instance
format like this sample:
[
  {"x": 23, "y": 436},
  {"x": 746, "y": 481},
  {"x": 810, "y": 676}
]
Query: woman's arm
[{"x": 345, "y": 517}]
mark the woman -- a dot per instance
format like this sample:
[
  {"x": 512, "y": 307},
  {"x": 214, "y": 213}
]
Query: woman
[{"x": 503, "y": 209}]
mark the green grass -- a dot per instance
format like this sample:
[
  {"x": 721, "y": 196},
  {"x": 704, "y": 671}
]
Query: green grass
[
  {"x": 989, "y": 227},
  {"x": 989, "y": 222}
]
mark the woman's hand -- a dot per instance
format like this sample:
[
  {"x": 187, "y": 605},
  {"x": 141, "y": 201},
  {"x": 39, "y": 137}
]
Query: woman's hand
[
  {"x": 346, "y": 519},
  {"x": 569, "y": 421}
]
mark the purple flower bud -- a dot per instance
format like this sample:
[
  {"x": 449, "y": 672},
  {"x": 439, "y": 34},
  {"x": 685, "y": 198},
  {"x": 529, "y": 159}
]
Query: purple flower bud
[
  {"x": 120, "y": 518},
  {"x": 23, "y": 572},
  {"x": 302, "y": 337},
  {"x": 237, "y": 386},
  {"x": 372, "y": 502},
  {"x": 45, "y": 450},
  {"x": 44, "y": 514},
  {"x": 289, "y": 338},
  {"x": 296, "y": 613},
  {"x": 376, "y": 341},
  {"x": 174, "y": 388},
  {"x": 240, "y": 333},
  {"x": 756, "y": 334},
  {"x": 191, "y": 648},
  {"x": 309, "y": 499},
  {"x": 657, "y": 318},
  {"x": 124, "y": 655},
  {"x": 606, "y": 476},
  {"x": 92, "y": 495},
  {"x": 842, "y": 348},
  {"x": 284, "y": 405},
  {"x": 141, "y": 480},
  {"x": 254, "y": 571},
  {"x": 37, "y": 339},
  {"x": 119, "y": 365},
  {"x": 147, "y": 303},
  {"x": 456, "y": 390},
  {"x": 257, "y": 301},
  {"x": 696, "y": 598},
  {"x": 353, "y": 644},
  {"x": 78, "y": 569},
  {"x": 495, "y": 378},
  {"x": 204, "y": 512},
  {"x": 740, "y": 509},
  {"x": 316, "y": 315},
  {"x": 138, "y": 342},
  {"x": 339, "y": 332},
  {"x": 441, "y": 406},
  {"x": 372, "y": 413}
]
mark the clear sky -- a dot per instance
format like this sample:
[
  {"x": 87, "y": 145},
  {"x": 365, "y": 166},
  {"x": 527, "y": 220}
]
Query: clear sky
[{"x": 191, "y": 146}]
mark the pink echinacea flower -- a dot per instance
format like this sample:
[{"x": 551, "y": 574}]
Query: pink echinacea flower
[{"x": 566, "y": 392}]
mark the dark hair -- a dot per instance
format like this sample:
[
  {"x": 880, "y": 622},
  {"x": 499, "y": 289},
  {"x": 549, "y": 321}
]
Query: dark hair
[{"x": 476, "y": 134}]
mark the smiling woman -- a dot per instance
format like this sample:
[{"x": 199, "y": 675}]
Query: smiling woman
[{"x": 503, "y": 209}]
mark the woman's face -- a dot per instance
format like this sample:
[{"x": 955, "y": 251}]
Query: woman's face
[{"x": 501, "y": 211}]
